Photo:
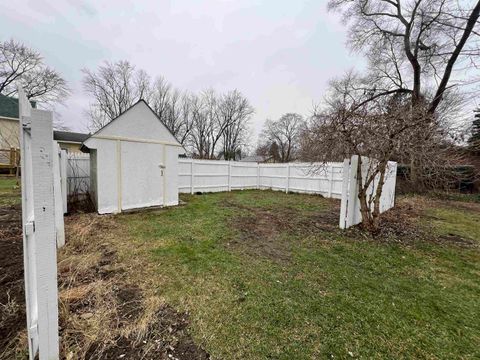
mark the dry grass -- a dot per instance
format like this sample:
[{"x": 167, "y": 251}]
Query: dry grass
[
  {"x": 108, "y": 306},
  {"x": 90, "y": 279}
]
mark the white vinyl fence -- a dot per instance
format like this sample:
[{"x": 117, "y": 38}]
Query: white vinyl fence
[
  {"x": 333, "y": 180},
  {"x": 214, "y": 176},
  {"x": 78, "y": 173},
  {"x": 350, "y": 206},
  {"x": 42, "y": 220}
]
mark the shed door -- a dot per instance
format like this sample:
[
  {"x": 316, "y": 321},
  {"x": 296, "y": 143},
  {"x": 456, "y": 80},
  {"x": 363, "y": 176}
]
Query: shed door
[{"x": 142, "y": 175}]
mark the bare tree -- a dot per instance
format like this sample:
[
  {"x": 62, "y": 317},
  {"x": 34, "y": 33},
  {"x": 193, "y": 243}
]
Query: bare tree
[
  {"x": 202, "y": 122},
  {"x": 420, "y": 47},
  {"x": 268, "y": 151},
  {"x": 199, "y": 141},
  {"x": 234, "y": 111},
  {"x": 285, "y": 134},
  {"x": 379, "y": 130},
  {"x": 21, "y": 64},
  {"x": 18, "y": 63},
  {"x": 114, "y": 87},
  {"x": 218, "y": 121}
]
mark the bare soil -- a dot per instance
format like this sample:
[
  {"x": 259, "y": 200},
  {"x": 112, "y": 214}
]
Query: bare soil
[
  {"x": 403, "y": 224},
  {"x": 269, "y": 233},
  {"x": 104, "y": 315},
  {"x": 12, "y": 298},
  {"x": 165, "y": 338}
]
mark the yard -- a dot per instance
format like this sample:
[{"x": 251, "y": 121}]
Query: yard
[{"x": 262, "y": 274}]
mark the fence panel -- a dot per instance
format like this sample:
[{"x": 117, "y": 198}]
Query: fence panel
[
  {"x": 243, "y": 175},
  {"x": 350, "y": 207},
  {"x": 273, "y": 176},
  {"x": 78, "y": 174},
  {"x": 214, "y": 175}
]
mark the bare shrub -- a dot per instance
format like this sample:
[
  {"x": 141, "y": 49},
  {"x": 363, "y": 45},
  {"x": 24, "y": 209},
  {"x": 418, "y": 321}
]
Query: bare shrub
[{"x": 379, "y": 129}]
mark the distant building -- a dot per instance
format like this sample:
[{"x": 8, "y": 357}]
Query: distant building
[
  {"x": 257, "y": 158},
  {"x": 9, "y": 131},
  {"x": 70, "y": 141}
]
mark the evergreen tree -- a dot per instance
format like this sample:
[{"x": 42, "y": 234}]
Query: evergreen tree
[{"x": 474, "y": 141}]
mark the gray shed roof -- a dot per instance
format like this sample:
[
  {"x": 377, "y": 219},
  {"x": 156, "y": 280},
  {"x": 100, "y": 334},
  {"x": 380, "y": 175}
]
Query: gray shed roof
[{"x": 70, "y": 136}]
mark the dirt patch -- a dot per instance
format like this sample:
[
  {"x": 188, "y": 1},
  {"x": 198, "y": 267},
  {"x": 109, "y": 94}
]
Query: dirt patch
[
  {"x": 403, "y": 224},
  {"x": 454, "y": 239},
  {"x": 269, "y": 233},
  {"x": 165, "y": 338},
  {"x": 129, "y": 299},
  {"x": 12, "y": 298}
]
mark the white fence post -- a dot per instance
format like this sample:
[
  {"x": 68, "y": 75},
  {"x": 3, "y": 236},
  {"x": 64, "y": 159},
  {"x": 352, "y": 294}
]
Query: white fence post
[
  {"x": 57, "y": 192},
  {"x": 352, "y": 192},
  {"x": 258, "y": 175},
  {"x": 44, "y": 210},
  {"x": 344, "y": 201},
  {"x": 287, "y": 186},
  {"x": 192, "y": 176},
  {"x": 229, "y": 176},
  {"x": 38, "y": 218},
  {"x": 28, "y": 224},
  {"x": 63, "y": 179}
]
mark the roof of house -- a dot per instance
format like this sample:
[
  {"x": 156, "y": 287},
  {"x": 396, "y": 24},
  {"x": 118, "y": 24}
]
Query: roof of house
[
  {"x": 9, "y": 106},
  {"x": 70, "y": 136},
  {"x": 254, "y": 158}
]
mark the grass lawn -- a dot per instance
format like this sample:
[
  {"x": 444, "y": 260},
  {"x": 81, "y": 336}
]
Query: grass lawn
[
  {"x": 9, "y": 192},
  {"x": 268, "y": 275},
  {"x": 264, "y": 275}
]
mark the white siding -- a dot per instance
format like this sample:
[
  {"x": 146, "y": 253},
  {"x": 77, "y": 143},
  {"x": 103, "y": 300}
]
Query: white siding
[{"x": 136, "y": 162}]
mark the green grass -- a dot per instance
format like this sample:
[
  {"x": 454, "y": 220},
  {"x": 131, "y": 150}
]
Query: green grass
[
  {"x": 9, "y": 192},
  {"x": 331, "y": 296},
  {"x": 456, "y": 222}
]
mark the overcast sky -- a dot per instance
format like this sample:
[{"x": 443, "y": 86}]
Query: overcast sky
[{"x": 280, "y": 54}]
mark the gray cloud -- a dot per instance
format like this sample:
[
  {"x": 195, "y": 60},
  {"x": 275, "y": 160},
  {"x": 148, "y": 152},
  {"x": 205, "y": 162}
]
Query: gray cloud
[{"x": 279, "y": 54}]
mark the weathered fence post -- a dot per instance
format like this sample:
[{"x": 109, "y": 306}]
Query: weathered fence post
[
  {"x": 258, "y": 175},
  {"x": 63, "y": 179},
  {"x": 344, "y": 201},
  {"x": 38, "y": 218},
  {"x": 353, "y": 191},
  {"x": 57, "y": 192},
  {"x": 46, "y": 250}
]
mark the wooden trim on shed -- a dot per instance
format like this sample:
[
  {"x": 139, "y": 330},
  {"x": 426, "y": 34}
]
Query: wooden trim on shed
[{"x": 146, "y": 141}]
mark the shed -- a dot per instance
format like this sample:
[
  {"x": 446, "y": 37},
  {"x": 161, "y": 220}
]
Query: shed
[{"x": 133, "y": 162}]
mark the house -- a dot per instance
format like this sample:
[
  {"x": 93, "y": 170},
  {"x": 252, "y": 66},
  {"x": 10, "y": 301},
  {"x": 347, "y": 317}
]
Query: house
[
  {"x": 257, "y": 158},
  {"x": 9, "y": 132},
  {"x": 133, "y": 162},
  {"x": 70, "y": 141}
]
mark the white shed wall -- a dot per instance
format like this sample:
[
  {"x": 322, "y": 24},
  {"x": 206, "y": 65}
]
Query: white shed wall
[
  {"x": 107, "y": 175},
  {"x": 136, "y": 162}
]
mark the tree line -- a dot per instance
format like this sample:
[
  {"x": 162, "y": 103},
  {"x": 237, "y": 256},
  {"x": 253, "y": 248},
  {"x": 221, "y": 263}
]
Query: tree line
[{"x": 209, "y": 124}]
